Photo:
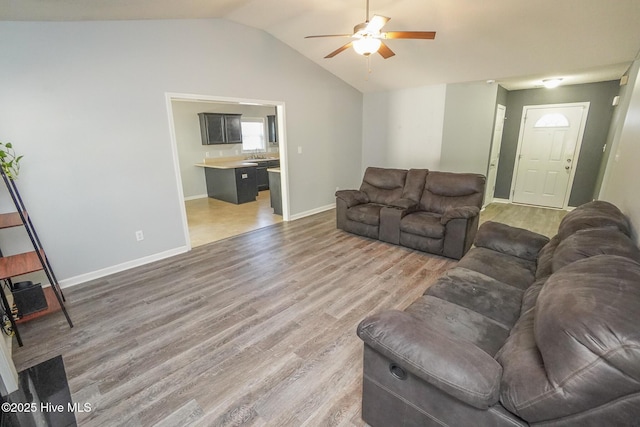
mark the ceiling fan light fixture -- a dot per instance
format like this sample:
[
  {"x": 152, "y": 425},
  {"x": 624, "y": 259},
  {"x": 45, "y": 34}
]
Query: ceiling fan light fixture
[
  {"x": 366, "y": 45},
  {"x": 551, "y": 83}
]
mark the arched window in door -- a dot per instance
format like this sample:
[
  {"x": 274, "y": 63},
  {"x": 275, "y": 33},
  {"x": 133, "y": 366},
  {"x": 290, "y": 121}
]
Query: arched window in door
[{"x": 552, "y": 120}]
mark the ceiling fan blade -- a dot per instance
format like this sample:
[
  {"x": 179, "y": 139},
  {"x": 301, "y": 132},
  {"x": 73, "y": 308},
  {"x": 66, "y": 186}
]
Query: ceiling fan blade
[
  {"x": 427, "y": 35},
  {"x": 340, "y": 49},
  {"x": 329, "y": 35},
  {"x": 376, "y": 23},
  {"x": 385, "y": 52}
]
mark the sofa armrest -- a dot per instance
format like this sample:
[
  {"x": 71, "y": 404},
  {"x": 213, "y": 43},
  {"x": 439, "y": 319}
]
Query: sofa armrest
[
  {"x": 456, "y": 367},
  {"x": 352, "y": 197},
  {"x": 404, "y": 203},
  {"x": 510, "y": 240},
  {"x": 460, "y": 212}
]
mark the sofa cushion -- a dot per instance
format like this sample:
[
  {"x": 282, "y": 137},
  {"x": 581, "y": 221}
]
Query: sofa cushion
[
  {"x": 530, "y": 296},
  {"x": 423, "y": 224},
  {"x": 459, "y": 323},
  {"x": 382, "y": 185},
  {"x": 478, "y": 292},
  {"x": 510, "y": 240},
  {"x": 445, "y": 189},
  {"x": 594, "y": 241},
  {"x": 594, "y": 214},
  {"x": 367, "y": 214},
  {"x": 545, "y": 258},
  {"x": 515, "y": 271},
  {"x": 587, "y": 342}
]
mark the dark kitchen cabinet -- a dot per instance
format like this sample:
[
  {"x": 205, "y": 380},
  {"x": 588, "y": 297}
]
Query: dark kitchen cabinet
[
  {"x": 233, "y": 185},
  {"x": 272, "y": 130},
  {"x": 216, "y": 128},
  {"x": 262, "y": 175}
]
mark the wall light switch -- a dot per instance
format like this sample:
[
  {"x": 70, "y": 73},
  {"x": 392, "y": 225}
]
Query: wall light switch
[{"x": 299, "y": 149}]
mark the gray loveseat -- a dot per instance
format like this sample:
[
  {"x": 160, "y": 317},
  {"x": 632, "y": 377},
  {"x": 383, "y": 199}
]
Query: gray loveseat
[
  {"x": 523, "y": 331},
  {"x": 435, "y": 212}
]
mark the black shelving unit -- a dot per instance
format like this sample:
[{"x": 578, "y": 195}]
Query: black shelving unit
[{"x": 28, "y": 262}]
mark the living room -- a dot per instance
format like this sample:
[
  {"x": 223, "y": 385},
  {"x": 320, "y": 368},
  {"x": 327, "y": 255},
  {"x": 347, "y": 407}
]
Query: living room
[{"x": 85, "y": 103}]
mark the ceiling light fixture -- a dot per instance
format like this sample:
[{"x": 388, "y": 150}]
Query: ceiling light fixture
[
  {"x": 551, "y": 83},
  {"x": 366, "y": 45}
]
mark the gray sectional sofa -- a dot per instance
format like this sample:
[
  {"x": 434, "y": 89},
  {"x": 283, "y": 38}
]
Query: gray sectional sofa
[
  {"x": 435, "y": 212},
  {"x": 523, "y": 331}
]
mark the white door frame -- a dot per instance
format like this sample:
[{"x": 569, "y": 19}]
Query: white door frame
[
  {"x": 496, "y": 143},
  {"x": 282, "y": 144},
  {"x": 576, "y": 154}
]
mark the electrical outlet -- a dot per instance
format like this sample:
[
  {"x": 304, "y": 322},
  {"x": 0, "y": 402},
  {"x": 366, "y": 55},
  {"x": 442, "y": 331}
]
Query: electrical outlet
[{"x": 139, "y": 235}]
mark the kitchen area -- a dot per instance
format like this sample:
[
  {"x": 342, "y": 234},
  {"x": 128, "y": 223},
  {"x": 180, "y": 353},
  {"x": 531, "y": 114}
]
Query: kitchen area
[{"x": 230, "y": 167}]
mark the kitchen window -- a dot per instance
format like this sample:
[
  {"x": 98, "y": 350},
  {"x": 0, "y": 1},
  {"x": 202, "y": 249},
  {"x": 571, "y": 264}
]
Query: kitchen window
[{"x": 253, "y": 134}]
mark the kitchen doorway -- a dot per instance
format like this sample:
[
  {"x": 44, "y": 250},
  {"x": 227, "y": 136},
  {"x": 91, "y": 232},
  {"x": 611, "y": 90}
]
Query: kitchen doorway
[
  {"x": 206, "y": 219},
  {"x": 547, "y": 155}
]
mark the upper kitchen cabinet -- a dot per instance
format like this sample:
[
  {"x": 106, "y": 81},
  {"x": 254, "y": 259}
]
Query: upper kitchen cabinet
[
  {"x": 272, "y": 128},
  {"x": 216, "y": 128}
]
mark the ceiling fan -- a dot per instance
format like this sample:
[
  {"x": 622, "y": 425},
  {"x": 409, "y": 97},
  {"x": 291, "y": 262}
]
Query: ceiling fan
[{"x": 368, "y": 37}]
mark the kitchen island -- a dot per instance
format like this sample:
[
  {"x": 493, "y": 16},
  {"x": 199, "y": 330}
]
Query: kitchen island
[{"x": 233, "y": 180}]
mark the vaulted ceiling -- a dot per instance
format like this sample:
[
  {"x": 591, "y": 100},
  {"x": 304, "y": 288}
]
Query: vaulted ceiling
[{"x": 514, "y": 42}]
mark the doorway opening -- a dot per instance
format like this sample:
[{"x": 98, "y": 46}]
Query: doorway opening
[
  {"x": 205, "y": 218},
  {"x": 547, "y": 155},
  {"x": 494, "y": 156}
]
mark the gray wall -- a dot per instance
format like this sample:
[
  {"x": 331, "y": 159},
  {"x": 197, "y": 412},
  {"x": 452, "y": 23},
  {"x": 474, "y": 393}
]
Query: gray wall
[
  {"x": 600, "y": 95},
  {"x": 469, "y": 116},
  {"x": 622, "y": 175},
  {"x": 403, "y": 128},
  {"x": 85, "y": 102}
]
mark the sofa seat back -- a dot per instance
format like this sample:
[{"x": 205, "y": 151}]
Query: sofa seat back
[
  {"x": 444, "y": 190},
  {"x": 383, "y": 186},
  {"x": 577, "y": 352}
]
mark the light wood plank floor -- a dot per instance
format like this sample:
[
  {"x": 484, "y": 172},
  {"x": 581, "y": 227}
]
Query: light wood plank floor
[
  {"x": 541, "y": 220},
  {"x": 211, "y": 220},
  {"x": 258, "y": 329}
]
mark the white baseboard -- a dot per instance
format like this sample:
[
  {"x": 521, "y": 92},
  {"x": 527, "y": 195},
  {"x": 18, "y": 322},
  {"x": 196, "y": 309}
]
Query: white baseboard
[
  {"x": 312, "y": 212},
  {"x": 496, "y": 200},
  {"x": 200, "y": 196},
  {"x": 83, "y": 278}
]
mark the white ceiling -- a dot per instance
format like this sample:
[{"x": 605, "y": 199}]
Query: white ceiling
[{"x": 514, "y": 42}]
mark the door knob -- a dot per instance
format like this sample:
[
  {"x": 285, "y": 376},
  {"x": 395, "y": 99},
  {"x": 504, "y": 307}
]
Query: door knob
[{"x": 567, "y": 167}]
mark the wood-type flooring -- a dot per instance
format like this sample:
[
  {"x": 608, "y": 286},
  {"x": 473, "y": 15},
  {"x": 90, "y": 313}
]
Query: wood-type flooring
[{"x": 258, "y": 329}]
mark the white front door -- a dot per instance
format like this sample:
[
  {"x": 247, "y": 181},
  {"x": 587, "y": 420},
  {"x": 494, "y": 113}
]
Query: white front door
[
  {"x": 494, "y": 157},
  {"x": 550, "y": 138}
]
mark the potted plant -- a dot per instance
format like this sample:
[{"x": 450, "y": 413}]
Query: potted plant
[{"x": 9, "y": 162}]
